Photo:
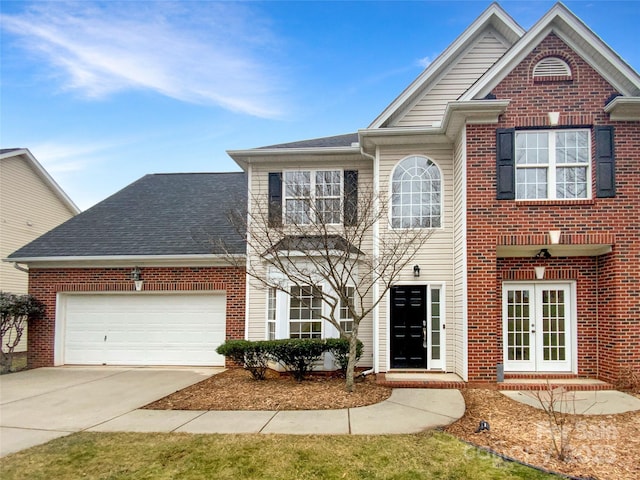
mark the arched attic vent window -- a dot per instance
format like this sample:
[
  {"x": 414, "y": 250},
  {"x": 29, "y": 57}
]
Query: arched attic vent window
[{"x": 550, "y": 69}]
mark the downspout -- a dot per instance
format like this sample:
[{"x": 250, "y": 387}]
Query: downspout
[
  {"x": 375, "y": 290},
  {"x": 597, "y": 316},
  {"x": 17, "y": 266}
]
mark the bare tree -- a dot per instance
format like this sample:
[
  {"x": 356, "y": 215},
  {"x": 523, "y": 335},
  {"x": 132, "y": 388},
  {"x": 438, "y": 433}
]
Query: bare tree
[
  {"x": 15, "y": 311},
  {"x": 326, "y": 249}
]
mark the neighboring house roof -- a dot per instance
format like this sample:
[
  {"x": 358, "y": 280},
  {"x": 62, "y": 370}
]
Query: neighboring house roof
[
  {"x": 6, "y": 153},
  {"x": 158, "y": 215}
]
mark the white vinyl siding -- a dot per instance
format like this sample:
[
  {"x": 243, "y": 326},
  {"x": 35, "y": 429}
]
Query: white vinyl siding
[
  {"x": 28, "y": 209},
  {"x": 256, "y": 308},
  {"x": 436, "y": 258},
  {"x": 459, "y": 310},
  {"x": 449, "y": 87}
]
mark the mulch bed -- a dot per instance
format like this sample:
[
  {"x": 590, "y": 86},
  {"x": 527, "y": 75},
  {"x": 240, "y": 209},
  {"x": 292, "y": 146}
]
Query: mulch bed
[{"x": 235, "y": 389}]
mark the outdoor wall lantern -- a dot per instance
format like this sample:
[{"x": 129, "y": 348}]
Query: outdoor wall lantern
[
  {"x": 416, "y": 271},
  {"x": 136, "y": 276},
  {"x": 544, "y": 253}
]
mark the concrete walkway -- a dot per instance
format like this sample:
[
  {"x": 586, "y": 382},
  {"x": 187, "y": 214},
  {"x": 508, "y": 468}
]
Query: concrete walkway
[
  {"x": 408, "y": 410},
  {"x": 603, "y": 402}
]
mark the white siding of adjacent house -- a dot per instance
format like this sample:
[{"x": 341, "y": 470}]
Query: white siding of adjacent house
[
  {"x": 459, "y": 313},
  {"x": 429, "y": 109},
  {"x": 257, "y": 293},
  {"x": 28, "y": 209},
  {"x": 436, "y": 257}
]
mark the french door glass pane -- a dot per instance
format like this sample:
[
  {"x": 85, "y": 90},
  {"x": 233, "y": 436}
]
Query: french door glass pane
[
  {"x": 518, "y": 341},
  {"x": 553, "y": 325}
]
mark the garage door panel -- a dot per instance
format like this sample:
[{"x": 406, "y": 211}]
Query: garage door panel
[{"x": 173, "y": 329}]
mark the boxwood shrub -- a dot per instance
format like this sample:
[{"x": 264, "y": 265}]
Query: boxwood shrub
[{"x": 296, "y": 356}]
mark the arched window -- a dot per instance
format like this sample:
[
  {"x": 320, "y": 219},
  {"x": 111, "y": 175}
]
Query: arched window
[
  {"x": 551, "y": 67},
  {"x": 416, "y": 194}
]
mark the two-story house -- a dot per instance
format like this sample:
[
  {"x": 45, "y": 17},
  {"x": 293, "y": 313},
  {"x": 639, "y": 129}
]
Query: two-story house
[{"x": 516, "y": 152}]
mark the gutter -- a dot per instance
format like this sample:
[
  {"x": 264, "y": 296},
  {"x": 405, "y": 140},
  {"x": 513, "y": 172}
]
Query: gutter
[{"x": 17, "y": 266}]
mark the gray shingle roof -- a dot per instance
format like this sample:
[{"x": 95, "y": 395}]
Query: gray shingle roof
[
  {"x": 161, "y": 214},
  {"x": 335, "y": 141}
]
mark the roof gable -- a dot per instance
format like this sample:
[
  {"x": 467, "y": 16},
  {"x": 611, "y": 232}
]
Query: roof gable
[
  {"x": 40, "y": 172},
  {"x": 580, "y": 38},
  {"x": 493, "y": 27}
]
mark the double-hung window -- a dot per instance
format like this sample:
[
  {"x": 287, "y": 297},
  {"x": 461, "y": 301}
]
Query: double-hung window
[
  {"x": 313, "y": 196},
  {"x": 552, "y": 164}
]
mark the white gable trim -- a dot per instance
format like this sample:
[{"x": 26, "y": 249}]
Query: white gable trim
[
  {"x": 44, "y": 176},
  {"x": 494, "y": 16},
  {"x": 579, "y": 37}
]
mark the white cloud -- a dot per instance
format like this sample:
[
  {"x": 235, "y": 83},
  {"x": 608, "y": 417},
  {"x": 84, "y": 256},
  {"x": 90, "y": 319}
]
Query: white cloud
[
  {"x": 204, "y": 53},
  {"x": 425, "y": 61}
]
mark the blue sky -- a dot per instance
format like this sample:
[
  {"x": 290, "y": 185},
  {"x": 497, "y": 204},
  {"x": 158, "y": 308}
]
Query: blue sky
[{"x": 103, "y": 93}]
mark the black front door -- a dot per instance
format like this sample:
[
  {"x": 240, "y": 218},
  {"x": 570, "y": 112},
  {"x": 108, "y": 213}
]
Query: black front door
[{"x": 409, "y": 327}]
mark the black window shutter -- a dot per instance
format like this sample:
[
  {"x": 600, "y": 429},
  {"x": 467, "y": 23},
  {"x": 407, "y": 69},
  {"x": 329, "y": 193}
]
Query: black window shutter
[
  {"x": 505, "y": 164},
  {"x": 275, "y": 199},
  {"x": 605, "y": 162},
  {"x": 350, "y": 197}
]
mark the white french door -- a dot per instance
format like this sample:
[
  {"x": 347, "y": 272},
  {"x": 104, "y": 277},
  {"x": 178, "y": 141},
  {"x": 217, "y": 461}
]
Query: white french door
[{"x": 537, "y": 327}]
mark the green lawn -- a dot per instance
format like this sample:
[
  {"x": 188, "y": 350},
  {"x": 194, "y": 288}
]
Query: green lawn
[{"x": 219, "y": 457}]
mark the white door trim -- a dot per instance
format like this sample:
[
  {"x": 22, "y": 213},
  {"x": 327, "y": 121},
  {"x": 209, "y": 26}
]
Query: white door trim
[{"x": 536, "y": 363}]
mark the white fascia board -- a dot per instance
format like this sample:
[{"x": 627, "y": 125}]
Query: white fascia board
[
  {"x": 569, "y": 28},
  {"x": 457, "y": 114},
  {"x": 266, "y": 155},
  {"x": 44, "y": 176},
  {"x": 494, "y": 15},
  {"x": 624, "y": 109},
  {"x": 126, "y": 260}
]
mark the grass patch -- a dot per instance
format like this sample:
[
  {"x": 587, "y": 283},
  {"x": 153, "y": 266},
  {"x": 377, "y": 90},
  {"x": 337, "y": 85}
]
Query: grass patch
[{"x": 287, "y": 457}]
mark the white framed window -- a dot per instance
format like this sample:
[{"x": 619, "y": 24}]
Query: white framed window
[
  {"x": 553, "y": 164},
  {"x": 313, "y": 196},
  {"x": 305, "y": 312},
  {"x": 416, "y": 194},
  {"x": 271, "y": 313},
  {"x": 346, "y": 320}
]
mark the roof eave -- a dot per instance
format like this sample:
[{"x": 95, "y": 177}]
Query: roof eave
[
  {"x": 457, "y": 115},
  {"x": 126, "y": 260},
  {"x": 244, "y": 158},
  {"x": 624, "y": 109}
]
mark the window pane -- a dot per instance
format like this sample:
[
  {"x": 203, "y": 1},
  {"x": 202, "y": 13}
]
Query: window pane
[{"x": 415, "y": 202}]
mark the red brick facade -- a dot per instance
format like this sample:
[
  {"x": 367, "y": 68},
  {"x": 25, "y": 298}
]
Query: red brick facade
[
  {"x": 45, "y": 284},
  {"x": 608, "y": 286}
]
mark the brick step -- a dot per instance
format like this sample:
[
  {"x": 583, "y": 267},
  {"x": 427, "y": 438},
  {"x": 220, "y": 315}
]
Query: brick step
[{"x": 568, "y": 382}]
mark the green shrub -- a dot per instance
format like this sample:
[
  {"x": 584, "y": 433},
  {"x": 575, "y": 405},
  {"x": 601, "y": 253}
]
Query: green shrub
[
  {"x": 253, "y": 356},
  {"x": 339, "y": 347},
  {"x": 297, "y": 355}
]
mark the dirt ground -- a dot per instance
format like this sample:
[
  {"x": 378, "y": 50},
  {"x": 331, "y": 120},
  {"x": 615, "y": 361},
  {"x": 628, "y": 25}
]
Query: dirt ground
[{"x": 600, "y": 446}]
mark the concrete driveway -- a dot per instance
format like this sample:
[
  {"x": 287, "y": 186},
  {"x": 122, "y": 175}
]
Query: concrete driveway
[{"x": 46, "y": 403}]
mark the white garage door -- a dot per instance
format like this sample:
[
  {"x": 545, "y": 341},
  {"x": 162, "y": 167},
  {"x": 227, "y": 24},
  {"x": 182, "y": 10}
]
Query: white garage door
[{"x": 143, "y": 329}]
